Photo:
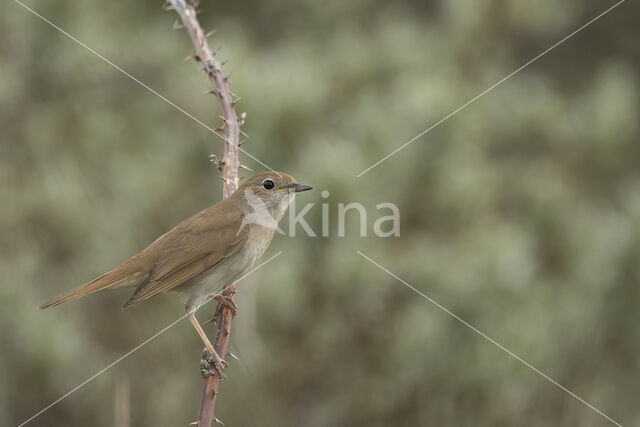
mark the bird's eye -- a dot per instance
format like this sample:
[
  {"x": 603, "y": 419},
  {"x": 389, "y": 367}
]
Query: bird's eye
[{"x": 268, "y": 184}]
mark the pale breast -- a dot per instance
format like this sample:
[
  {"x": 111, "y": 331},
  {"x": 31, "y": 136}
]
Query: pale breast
[{"x": 228, "y": 270}]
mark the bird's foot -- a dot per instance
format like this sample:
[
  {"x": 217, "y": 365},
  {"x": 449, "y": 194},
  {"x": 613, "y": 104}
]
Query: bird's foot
[
  {"x": 225, "y": 301},
  {"x": 211, "y": 364}
]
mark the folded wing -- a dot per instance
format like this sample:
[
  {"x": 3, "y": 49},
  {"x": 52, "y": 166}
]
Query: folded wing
[{"x": 192, "y": 248}]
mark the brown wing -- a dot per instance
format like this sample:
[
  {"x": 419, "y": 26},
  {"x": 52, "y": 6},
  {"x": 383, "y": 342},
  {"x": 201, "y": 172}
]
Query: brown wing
[{"x": 191, "y": 248}]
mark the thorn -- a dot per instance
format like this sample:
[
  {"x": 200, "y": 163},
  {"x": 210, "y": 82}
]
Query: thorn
[
  {"x": 167, "y": 6},
  {"x": 224, "y": 62},
  {"x": 195, "y": 423},
  {"x": 243, "y": 134},
  {"x": 247, "y": 168},
  {"x": 241, "y": 142},
  {"x": 192, "y": 56},
  {"x": 233, "y": 355},
  {"x": 218, "y": 421},
  {"x": 212, "y": 92},
  {"x": 177, "y": 25},
  {"x": 210, "y": 33},
  {"x": 223, "y": 179}
]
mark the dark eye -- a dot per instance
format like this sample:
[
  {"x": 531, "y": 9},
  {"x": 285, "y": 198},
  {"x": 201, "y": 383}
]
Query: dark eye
[{"x": 268, "y": 184}]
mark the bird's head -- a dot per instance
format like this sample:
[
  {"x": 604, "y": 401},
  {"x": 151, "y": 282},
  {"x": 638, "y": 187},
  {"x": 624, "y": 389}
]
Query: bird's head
[{"x": 271, "y": 190}]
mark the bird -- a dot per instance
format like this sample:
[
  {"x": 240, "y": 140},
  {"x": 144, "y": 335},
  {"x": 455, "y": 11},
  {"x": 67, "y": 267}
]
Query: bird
[{"x": 205, "y": 252}]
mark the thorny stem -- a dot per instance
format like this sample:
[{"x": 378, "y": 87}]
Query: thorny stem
[{"x": 228, "y": 167}]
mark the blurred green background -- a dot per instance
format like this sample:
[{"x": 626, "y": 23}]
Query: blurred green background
[{"x": 521, "y": 214}]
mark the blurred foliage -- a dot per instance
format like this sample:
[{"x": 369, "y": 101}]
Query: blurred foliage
[{"x": 520, "y": 213}]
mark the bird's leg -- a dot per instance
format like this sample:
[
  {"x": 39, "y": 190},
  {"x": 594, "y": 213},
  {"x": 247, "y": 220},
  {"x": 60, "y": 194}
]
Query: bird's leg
[{"x": 210, "y": 357}]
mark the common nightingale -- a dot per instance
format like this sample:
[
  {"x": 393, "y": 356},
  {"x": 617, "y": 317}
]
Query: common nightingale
[{"x": 205, "y": 252}]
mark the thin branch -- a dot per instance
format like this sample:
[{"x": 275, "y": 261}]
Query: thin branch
[{"x": 228, "y": 167}]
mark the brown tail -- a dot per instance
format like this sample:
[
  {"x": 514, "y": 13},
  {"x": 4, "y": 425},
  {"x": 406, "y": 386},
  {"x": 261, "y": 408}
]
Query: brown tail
[{"x": 125, "y": 274}]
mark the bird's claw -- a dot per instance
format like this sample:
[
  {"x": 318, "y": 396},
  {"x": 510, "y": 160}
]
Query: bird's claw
[
  {"x": 225, "y": 301},
  {"x": 211, "y": 364}
]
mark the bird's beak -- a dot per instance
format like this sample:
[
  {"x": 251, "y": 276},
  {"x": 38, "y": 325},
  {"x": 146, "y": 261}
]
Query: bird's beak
[{"x": 301, "y": 187}]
